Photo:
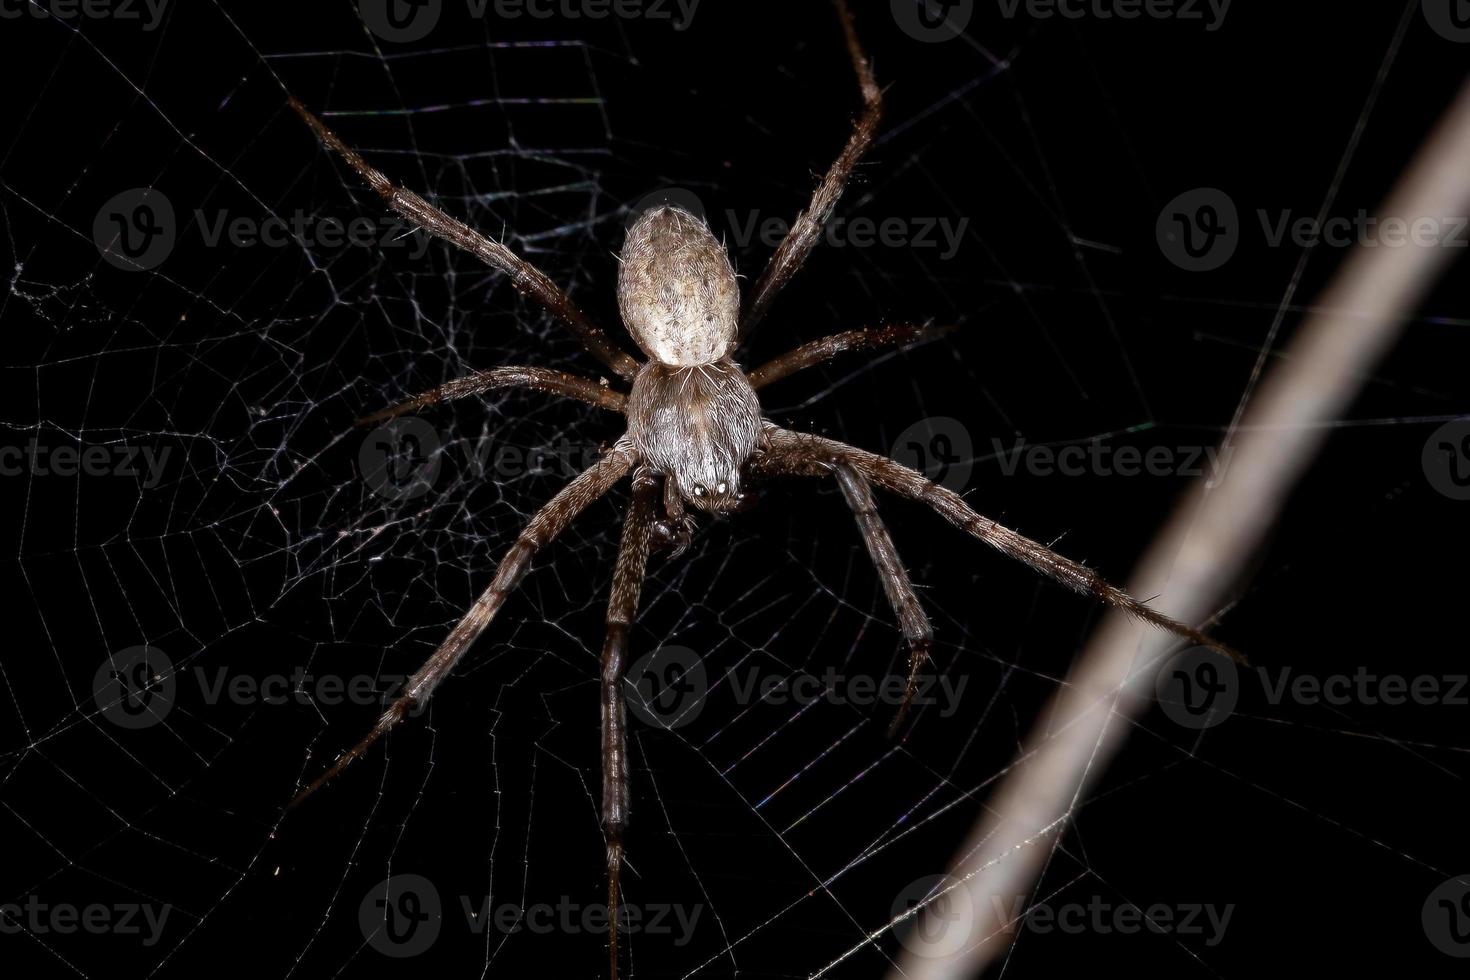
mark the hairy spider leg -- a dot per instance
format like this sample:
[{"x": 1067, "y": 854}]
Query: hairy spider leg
[
  {"x": 544, "y": 526},
  {"x": 526, "y": 278},
  {"x": 806, "y": 230}
]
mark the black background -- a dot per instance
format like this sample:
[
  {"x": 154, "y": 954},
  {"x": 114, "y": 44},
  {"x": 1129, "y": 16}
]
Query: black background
[{"x": 1059, "y": 141}]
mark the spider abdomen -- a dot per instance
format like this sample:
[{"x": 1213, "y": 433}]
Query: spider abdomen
[
  {"x": 677, "y": 289},
  {"x": 697, "y": 426}
]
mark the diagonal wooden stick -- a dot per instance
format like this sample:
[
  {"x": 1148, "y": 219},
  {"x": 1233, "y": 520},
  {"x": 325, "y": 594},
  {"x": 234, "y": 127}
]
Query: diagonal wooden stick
[{"x": 1193, "y": 563}]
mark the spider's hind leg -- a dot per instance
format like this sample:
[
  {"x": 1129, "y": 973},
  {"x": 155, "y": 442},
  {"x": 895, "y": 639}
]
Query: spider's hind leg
[{"x": 622, "y": 604}]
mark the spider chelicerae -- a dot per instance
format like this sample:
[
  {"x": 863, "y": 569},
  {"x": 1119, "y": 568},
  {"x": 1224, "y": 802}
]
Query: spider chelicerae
[{"x": 695, "y": 435}]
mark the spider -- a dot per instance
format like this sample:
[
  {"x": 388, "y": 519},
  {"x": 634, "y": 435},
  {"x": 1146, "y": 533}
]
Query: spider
[{"x": 695, "y": 435}]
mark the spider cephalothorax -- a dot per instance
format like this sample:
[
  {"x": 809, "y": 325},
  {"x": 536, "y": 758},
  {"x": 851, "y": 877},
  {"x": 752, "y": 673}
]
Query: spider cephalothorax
[
  {"x": 696, "y": 426},
  {"x": 694, "y": 434}
]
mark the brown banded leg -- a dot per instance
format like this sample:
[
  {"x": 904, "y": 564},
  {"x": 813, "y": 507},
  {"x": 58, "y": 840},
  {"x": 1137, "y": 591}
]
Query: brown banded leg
[
  {"x": 537, "y": 379},
  {"x": 911, "y": 617},
  {"x": 807, "y": 228},
  {"x": 527, "y": 279},
  {"x": 826, "y": 348},
  {"x": 622, "y": 605},
  {"x": 809, "y": 454},
  {"x": 547, "y": 523}
]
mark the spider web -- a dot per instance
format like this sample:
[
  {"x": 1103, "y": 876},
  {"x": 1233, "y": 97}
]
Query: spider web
[{"x": 242, "y": 529}]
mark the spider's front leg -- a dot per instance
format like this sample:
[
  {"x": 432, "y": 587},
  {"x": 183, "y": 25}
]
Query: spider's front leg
[
  {"x": 535, "y": 378},
  {"x": 806, "y": 230},
  {"x": 547, "y": 523},
  {"x": 622, "y": 604},
  {"x": 525, "y": 277}
]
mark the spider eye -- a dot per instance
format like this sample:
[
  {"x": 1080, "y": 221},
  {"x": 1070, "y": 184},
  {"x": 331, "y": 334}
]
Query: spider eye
[
  {"x": 699, "y": 490},
  {"x": 722, "y": 489}
]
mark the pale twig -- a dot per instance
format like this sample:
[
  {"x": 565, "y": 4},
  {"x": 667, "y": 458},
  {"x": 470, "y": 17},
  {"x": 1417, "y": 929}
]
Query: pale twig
[{"x": 1192, "y": 566}]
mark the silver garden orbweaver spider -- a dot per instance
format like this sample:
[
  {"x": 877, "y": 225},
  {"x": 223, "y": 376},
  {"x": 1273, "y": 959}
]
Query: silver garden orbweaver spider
[{"x": 695, "y": 435}]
